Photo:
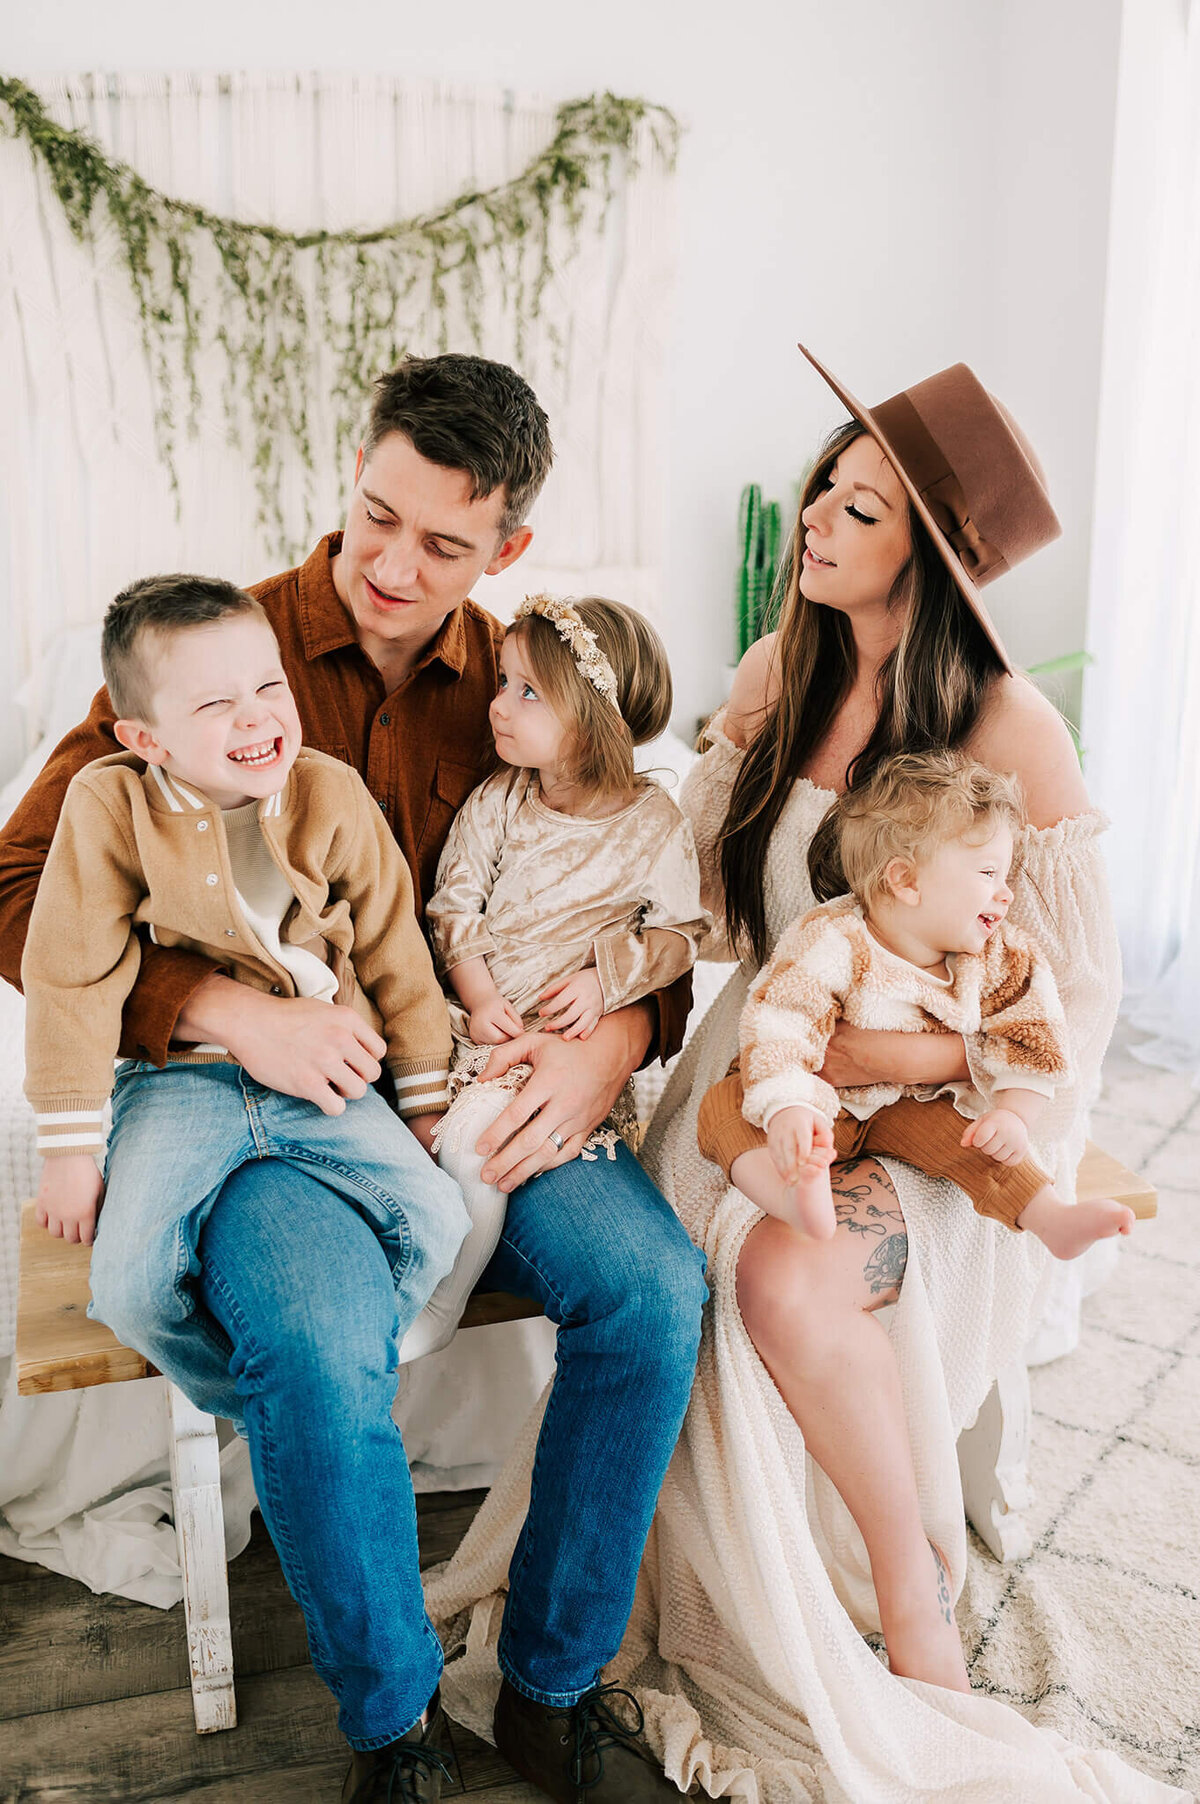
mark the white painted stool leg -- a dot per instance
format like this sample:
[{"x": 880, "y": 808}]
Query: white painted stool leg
[
  {"x": 993, "y": 1460},
  {"x": 200, "y": 1534}
]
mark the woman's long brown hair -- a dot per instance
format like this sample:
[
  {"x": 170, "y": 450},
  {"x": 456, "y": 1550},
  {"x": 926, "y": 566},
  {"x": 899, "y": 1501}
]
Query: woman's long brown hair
[{"x": 931, "y": 688}]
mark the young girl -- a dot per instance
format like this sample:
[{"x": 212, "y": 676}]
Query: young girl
[{"x": 568, "y": 886}]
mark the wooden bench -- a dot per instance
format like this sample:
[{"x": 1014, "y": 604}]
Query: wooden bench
[{"x": 59, "y": 1349}]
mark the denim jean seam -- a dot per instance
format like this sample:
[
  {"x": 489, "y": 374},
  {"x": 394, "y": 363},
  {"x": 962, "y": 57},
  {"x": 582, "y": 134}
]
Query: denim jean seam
[
  {"x": 306, "y": 1602},
  {"x": 310, "y": 1156}
]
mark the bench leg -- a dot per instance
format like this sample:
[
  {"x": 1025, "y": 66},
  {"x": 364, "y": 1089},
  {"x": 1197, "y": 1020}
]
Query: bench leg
[
  {"x": 993, "y": 1461},
  {"x": 200, "y": 1533}
]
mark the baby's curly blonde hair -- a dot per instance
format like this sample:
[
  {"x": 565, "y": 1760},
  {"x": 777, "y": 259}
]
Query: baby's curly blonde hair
[{"x": 914, "y": 803}]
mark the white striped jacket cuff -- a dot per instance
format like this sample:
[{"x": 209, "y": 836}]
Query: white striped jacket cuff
[
  {"x": 63, "y": 1131},
  {"x": 421, "y": 1092}
]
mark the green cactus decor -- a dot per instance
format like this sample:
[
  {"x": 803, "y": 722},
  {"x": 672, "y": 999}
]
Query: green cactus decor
[{"x": 759, "y": 532}]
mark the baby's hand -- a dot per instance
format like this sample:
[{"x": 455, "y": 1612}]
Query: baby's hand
[
  {"x": 68, "y": 1197},
  {"x": 578, "y": 1005},
  {"x": 800, "y": 1140},
  {"x": 1001, "y": 1134},
  {"x": 494, "y": 1021}
]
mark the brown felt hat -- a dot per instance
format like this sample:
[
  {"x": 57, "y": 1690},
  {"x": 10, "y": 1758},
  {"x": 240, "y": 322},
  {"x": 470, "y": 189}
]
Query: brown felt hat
[{"x": 970, "y": 472}]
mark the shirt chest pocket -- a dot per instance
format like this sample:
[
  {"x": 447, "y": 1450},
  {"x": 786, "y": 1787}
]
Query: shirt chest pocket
[{"x": 452, "y": 784}]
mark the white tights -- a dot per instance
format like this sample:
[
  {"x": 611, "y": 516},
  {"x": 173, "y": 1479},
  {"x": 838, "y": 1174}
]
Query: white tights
[{"x": 474, "y": 1110}]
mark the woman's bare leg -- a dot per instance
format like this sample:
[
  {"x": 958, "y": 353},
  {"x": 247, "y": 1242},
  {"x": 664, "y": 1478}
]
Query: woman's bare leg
[{"x": 808, "y": 1307}]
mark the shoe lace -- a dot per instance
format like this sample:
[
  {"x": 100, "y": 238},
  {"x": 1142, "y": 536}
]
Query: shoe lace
[
  {"x": 598, "y": 1729},
  {"x": 409, "y": 1764}
]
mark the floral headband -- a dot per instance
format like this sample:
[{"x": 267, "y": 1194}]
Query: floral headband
[{"x": 579, "y": 639}]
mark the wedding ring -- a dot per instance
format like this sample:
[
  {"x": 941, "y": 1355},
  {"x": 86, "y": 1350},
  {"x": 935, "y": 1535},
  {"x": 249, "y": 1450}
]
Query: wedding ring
[{"x": 556, "y": 1141}]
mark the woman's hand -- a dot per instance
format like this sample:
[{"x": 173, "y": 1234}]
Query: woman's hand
[{"x": 859, "y": 1055}]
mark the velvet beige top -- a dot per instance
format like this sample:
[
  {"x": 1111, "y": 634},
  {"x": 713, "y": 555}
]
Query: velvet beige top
[{"x": 541, "y": 894}]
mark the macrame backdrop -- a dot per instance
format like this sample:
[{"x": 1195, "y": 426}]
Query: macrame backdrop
[{"x": 85, "y": 502}]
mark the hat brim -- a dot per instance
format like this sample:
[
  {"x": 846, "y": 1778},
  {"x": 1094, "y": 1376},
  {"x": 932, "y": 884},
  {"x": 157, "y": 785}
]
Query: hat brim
[{"x": 946, "y": 551}]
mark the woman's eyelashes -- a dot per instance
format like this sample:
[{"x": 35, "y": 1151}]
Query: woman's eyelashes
[{"x": 855, "y": 513}]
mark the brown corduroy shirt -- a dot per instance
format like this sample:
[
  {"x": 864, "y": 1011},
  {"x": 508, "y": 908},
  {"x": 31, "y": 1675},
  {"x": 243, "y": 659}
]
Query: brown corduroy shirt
[{"x": 420, "y": 749}]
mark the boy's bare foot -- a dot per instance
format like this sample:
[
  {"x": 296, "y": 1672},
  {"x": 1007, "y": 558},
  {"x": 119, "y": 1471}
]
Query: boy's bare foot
[
  {"x": 807, "y": 1206},
  {"x": 920, "y": 1631},
  {"x": 1069, "y": 1229}
]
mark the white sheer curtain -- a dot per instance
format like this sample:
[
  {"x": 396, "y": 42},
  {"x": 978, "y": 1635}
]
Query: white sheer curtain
[
  {"x": 1142, "y": 699},
  {"x": 86, "y": 504}
]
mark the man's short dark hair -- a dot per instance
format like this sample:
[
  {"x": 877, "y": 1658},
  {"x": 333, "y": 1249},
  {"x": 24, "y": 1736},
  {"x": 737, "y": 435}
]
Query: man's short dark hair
[
  {"x": 159, "y": 606},
  {"x": 466, "y": 413}
]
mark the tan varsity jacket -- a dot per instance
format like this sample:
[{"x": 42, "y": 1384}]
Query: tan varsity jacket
[{"x": 136, "y": 849}]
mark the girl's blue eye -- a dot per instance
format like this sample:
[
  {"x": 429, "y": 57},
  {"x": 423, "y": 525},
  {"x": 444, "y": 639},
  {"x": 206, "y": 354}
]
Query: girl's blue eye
[
  {"x": 528, "y": 694},
  {"x": 503, "y": 681}
]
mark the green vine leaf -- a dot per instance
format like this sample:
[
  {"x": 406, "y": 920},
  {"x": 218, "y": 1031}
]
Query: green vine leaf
[{"x": 263, "y": 299}]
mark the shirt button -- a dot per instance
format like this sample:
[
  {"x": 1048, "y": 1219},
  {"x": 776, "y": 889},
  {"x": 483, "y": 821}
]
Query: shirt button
[
  {"x": 212, "y": 878},
  {"x": 385, "y": 720},
  {"x": 202, "y": 826}
]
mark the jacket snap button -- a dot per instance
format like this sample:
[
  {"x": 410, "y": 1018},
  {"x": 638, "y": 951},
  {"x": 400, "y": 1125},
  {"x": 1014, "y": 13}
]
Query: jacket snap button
[
  {"x": 202, "y": 826},
  {"x": 212, "y": 878},
  {"x": 231, "y": 933}
]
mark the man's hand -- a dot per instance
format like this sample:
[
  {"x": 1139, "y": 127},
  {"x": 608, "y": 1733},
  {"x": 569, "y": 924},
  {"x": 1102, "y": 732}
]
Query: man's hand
[
  {"x": 69, "y": 1196},
  {"x": 494, "y": 1021},
  {"x": 421, "y": 1128},
  {"x": 1001, "y": 1134},
  {"x": 320, "y": 1051},
  {"x": 800, "y": 1141},
  {"x": 570, "y": 1092},
  {"x": 578, "y": 1005},
  {"x": 860, "y": 1055}
]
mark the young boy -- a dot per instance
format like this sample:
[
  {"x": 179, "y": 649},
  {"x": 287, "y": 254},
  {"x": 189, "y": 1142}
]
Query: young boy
[
  {"x": 219, "y": 833},
  {"x": 920, "y": 944}
]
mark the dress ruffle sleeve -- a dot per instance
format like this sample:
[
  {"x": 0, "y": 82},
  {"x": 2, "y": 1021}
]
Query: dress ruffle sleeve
[{"x": 704, "y": 799}]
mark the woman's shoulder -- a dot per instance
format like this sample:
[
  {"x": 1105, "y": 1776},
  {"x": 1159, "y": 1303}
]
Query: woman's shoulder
[
  {"x": 755, "y": 688},
  {"x": 1020, "y": 731}
]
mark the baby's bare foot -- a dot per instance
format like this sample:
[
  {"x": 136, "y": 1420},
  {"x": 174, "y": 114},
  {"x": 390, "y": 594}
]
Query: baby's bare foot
[
  {"x": 1069, "y": 1229},
  {"x": 921, "y": 1634},
  {"x": 807, "y": 1206}
]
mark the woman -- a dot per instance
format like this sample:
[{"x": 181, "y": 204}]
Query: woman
[{"x": 763, "y": 1570}]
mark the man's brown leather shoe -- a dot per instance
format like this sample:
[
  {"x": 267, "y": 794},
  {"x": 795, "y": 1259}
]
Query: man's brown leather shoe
[
  {"x": 584, "y": 1754},
  {"x": 408, "y": 1771}
]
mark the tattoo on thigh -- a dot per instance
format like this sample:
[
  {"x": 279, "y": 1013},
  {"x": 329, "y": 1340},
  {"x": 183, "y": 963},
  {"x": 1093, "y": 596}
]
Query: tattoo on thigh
[
  {"x": 855, "y": 1210},
  {"x": 943, "y": 1585},
  {"x": 885, "y": 1268}
]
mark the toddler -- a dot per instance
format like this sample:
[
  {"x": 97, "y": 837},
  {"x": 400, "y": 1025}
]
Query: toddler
[
  {"x": 568, "y": 886},
  {"x": 217, "y": 832},
  {"x": 921, "y": 945}
]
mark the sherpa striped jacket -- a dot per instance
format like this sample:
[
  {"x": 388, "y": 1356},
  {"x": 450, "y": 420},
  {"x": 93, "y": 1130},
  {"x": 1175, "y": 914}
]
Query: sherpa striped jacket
[
  {"x": 828, "y": 966},
  {"x": 136, "y": 849}
]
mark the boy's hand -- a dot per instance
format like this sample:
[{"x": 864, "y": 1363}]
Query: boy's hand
[
  {"x": 578, "y": 1005},
  {"x": 494, "y": 1021},
  {"x": 69, "y": 1196},
  {"x": 1001, "y": 1134},
  {"x": 800, "y": 1140},
  {"x": 421, "y": 1127}
]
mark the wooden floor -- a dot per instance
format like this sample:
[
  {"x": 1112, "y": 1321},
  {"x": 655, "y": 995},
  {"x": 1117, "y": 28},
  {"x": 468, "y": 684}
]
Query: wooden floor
[{"x": 95, "y": 1706}]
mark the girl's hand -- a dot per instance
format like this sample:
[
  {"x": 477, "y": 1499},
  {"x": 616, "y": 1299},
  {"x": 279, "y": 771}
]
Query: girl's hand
[
  {"x": 800, "y": 1141},
  {"x": 1001, "y": 1134},
  {"x": 69, "y": 1196},
  {"x": 579, "y": 1004},
  {"x": 494, "y": 1021}
]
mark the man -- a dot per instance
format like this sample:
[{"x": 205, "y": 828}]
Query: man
[{"x": 393, "y": 667}]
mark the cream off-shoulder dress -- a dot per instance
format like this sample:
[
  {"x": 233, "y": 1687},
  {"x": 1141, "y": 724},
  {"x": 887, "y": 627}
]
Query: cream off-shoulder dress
[{"x": 745, "y": 1647}]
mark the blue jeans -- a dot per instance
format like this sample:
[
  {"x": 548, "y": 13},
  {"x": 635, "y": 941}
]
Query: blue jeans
[
  {"x": 177, "y": 1135},
  {"x": 301, "y": 1296}
]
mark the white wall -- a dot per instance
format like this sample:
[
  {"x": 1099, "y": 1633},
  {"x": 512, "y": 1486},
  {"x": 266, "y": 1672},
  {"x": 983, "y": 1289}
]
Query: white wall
[{"x": 900, "y": 185}]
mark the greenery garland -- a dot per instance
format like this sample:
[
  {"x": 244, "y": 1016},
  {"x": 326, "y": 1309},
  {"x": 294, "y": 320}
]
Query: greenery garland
[{"x": 277, "y": 296}]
